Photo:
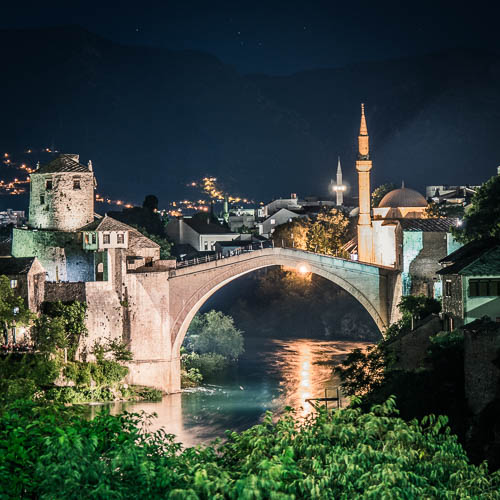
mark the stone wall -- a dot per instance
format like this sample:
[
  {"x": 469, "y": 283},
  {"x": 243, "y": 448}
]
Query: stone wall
[
  {"x": 61, "y": 208},
  {"x": 481, "y": 368},
  {"x": 60, "y": 253},
  {"x": 411, "y": 347},
  {"x": 453, "y": 304}
]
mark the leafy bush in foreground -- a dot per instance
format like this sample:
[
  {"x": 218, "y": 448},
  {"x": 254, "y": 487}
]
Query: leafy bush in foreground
[{"x": 54, "y": 453}]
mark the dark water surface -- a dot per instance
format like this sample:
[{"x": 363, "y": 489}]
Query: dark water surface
[{"x": 270, "y": 375}]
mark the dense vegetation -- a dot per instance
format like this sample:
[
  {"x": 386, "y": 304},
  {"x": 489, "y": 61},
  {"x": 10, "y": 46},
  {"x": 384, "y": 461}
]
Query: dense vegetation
[
  {"x": 42, "y": 365},
  {"x": 211, "y": 343},
  {"x": 482, "y": 217},
  {"x": 54, "y": 453},
  {"x": 326, "y": 234}
]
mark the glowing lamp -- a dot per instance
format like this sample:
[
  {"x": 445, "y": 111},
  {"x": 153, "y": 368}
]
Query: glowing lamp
[{"x": 303, "y": 269}]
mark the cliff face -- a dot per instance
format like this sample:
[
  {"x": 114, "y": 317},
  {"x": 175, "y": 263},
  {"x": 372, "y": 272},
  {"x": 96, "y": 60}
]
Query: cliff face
[{"x": 153, "y": 119}]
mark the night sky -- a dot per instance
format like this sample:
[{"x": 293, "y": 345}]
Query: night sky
[{"x": 276, "y": 37}]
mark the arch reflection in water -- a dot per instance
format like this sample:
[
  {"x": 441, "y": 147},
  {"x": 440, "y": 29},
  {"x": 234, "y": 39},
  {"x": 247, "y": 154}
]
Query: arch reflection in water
[{"x": 271, "y": 375}]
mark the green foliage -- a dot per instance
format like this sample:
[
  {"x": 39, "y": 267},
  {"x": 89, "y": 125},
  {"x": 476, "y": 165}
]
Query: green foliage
[
  {"x": 418, "y": 306},
  {"x": 207, "y": 364},
  {"x": 214, "y": 332},
  {"x": 118, "y": 349},
  {"x": 328, "y": 233},
  {"x": 380, "y": 192},
  {"x": 105, "y": 373},
  {"x": 482, "y": 217},
  {"x": 190, "y": 377},
  {"x": 412, "y": 307},
  {"x": 292, "y": 234},
  {"x": 61, "y": 327},
  {"x": 362, "y": 371},
  {"x": 13, "y": 310},
  {"x": 49, "y": 334},
  {"x": 443, "y": 209},
  {"x": 55, "y": 453},
  {"x": 165, "y": 244}
]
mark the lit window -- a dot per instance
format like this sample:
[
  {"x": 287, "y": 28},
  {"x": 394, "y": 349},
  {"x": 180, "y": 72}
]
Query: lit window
[
  {"x": 120, "y": 239},
  {"x": 86, "y": 239},
  {"x": 76, "y": 183},
  {"x": 48, "y": 185},
  {"x": 42, "y": 199},
  {"x": 105, "y": 239},
  {"x": 13, "y": 283},
  {"x": 273, "y": 221}
]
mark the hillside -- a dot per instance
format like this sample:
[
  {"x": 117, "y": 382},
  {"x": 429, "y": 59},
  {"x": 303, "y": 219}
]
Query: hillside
[{"x": 153, "y": 119}]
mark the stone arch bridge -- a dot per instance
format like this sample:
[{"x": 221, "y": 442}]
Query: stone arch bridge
[{"x": 160, "y": 303}]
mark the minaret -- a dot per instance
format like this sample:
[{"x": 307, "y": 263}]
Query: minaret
[
  {"x": 225, "y": 210},
  {"x": 340, "y": 187},
  {"x": 363, "y": 166}
]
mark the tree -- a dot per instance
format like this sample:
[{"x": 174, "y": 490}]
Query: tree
[
  {"x": 482, "y": 217},
  {"x": 61, "y": 327},
  {"x": 437, "y": 210},
  {"x": 292, "y": 234},
  {"x": 214, "y": 332},
  {"x": 13, "y": 310},
  {"x": 381, "y": 191},
  {"x": 328, "y": 233}
]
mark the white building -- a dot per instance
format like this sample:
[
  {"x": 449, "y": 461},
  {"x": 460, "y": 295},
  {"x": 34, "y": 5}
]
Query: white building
[
  {"x": 14, "y": 217},
  {"x": 267, "y": 227},
  {"x": 199, "y": 232}
]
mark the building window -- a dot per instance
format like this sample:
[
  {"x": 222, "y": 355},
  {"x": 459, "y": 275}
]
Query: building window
[
  {"x": 76, "y": 183},
  {"x": 206, "y": 245},
  {"x": 86, "y": 239},
  {"x": 484, "y": 288},
  {"x": 447, "y": 288},
  {"x": 94, "y": 239},
  {"x": 273, "y": 221},
  {"x": 42, "y": 199},
  {"x": 13, "y": 283},
  {"x": 106, "y": 239},
  {"x": 48, "y": 185},
  {"x": 120, "y": 239}
]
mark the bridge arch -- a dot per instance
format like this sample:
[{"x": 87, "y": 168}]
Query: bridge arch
[{"x": 335, "y": 270}]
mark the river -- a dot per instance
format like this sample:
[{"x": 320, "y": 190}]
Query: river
[{"x": 271, "y": 375}]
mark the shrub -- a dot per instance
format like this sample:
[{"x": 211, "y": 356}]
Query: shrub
[
  {"x": 214, "y": 332},
  {"x": 207, "y": 365},
  {"x": 55, "y": 453}
]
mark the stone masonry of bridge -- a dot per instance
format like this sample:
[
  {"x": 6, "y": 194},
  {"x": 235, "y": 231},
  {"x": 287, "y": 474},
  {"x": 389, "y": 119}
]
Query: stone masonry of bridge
[{"x": 152, "y": 307}]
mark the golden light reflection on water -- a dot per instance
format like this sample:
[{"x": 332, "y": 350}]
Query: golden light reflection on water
[{"x": 274, "y": 374}]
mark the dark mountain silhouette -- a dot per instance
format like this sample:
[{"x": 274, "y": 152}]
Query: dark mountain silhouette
[{"x": 152, "y": 119}]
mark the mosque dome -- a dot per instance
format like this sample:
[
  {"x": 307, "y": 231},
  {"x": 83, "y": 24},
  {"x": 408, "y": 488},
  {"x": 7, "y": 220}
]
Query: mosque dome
[{"x": 402, "y": 197}]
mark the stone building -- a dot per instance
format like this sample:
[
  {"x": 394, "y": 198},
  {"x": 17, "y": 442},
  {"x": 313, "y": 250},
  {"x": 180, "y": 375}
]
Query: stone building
[
  {"x": 199, "y": 231},
  {"x": 27, "y": 279},
  {"x": 62, "y": 195},
  {"x": 471, "y": 283},
  {"x": 72, "y": 243},
  {"x": 397, "y": 233}
]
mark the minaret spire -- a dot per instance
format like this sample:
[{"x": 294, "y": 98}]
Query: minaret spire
[
  {"x": 339, "y": 188},
  {"x": 363, "y": 167},
  {"x": 363, "y": 138}
]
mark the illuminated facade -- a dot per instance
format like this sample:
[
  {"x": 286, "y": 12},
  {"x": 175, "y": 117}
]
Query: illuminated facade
[{"x": 398, "y": 233}]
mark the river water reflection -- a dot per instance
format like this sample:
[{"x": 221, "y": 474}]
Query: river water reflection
[{"x": 271, "y": 375}]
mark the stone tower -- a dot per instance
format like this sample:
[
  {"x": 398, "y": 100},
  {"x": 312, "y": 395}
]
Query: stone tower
[
  {"x": 340, "y": 186},
  {"x": 62, "y": 195},
  {"x": 363, "y": 166}
]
